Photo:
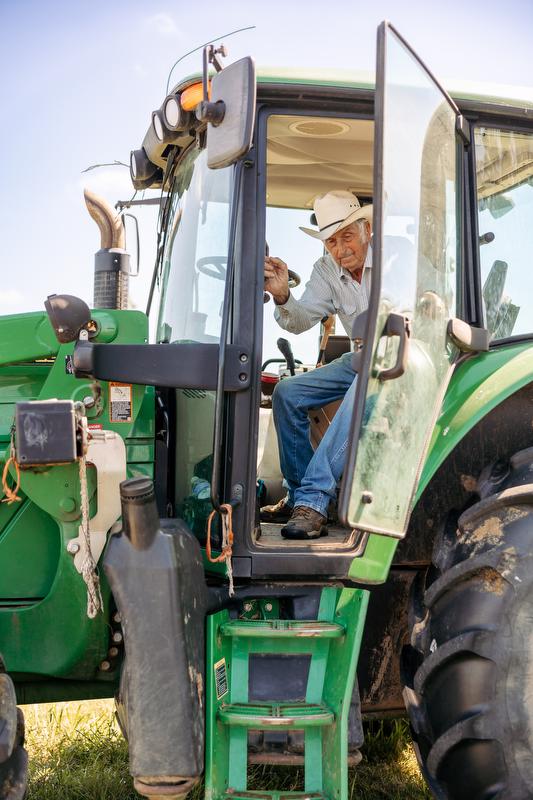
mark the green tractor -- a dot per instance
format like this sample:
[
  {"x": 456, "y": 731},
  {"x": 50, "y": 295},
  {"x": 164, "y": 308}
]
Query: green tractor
[{"x": 134, "y": 563}]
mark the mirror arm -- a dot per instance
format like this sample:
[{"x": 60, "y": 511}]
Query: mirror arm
[{"x": 205, "y": 110}]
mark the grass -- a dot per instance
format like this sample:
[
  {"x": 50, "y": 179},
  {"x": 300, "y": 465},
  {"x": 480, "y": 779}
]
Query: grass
[{"x": 77, "y": 753}]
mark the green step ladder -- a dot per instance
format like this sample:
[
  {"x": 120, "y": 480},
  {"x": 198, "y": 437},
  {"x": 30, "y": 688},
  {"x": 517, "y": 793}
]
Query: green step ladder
[{"x": 332, "y": 641}]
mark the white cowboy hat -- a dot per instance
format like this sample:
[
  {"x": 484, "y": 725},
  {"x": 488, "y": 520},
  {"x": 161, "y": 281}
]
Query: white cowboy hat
[{"x": 334, "y": 211}]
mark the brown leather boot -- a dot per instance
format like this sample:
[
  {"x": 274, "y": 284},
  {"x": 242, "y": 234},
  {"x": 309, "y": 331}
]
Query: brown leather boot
[{"x": 305, "y": 523}]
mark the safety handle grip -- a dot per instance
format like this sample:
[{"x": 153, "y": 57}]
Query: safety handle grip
[{"x": 397, "y": 325}]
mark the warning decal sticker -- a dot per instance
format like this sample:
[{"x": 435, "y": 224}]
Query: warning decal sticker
[
  {"x": 120, "y": 402},
  {"x": 221, "y": 678}
]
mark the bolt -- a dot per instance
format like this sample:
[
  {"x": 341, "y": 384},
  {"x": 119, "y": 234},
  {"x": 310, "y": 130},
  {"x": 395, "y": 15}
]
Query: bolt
[
  {"x": 89, "y": 401},
  {"x": 73, "y": 547},
  {"x": 243, "y": 357},
  {"x": 367, "y": 497},
  {"x": 117, "y": 637},
  {"x": 243, "y": 376},
  {"x": 112, "y": 652},
  {"x": 268, "y": 606},
  {"x": 116, "y": 617},
  {"x": 105, "y": 666},
  {"x": 67, "y": 505},
  {"x": 247, "y": 606}
]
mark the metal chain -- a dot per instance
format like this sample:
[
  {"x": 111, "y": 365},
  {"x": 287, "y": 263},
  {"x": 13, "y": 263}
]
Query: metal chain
[{"x": 89, "y": 570}]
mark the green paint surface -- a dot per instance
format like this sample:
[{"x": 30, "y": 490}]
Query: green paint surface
[{"x": 44, "y": 628}]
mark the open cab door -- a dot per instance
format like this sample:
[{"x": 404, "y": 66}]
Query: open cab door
[{"x": 407, "y": 356}]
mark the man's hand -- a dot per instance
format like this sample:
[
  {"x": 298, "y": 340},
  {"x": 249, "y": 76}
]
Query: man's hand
[{"x": 277, "y": 279}]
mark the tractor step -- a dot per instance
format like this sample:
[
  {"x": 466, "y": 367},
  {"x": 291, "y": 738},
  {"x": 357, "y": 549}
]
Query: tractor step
[
  {"x": 283, "y": 628},
  {"x": 279, "y": 795},
  {"x": 317, "y": 702},
  {"x": 263, "y": 716},
  {"x": 279, "y": 758}
]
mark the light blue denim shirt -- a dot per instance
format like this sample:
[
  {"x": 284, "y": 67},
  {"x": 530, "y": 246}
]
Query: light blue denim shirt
[{"x": 330, "y": 290}]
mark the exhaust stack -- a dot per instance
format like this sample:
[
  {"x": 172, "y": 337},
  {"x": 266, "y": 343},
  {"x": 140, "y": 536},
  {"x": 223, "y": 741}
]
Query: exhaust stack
[{"x": 111, "y": 262}]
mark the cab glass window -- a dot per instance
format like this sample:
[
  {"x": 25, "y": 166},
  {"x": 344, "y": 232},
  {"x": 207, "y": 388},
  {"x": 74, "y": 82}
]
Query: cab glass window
[
  {"x": 504, "y": 166},
  {"x": 196, "y": 252},
  {"x": 191, "y": 311}
]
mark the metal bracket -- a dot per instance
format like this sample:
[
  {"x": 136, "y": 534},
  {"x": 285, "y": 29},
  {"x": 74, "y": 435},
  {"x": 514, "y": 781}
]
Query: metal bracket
[
  {"x": 206, "y": 111},
  {"x": 463, "y": 129},
  {"x": 107, "y": 452}
]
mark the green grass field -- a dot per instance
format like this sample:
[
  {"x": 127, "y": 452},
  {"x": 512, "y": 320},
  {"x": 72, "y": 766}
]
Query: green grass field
[{"x": 77, "y": 753}]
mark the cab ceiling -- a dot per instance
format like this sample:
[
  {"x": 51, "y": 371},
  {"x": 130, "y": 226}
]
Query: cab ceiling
[{"x": 310, "y": 155}]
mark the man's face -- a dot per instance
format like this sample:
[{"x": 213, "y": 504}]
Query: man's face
[{"x": 349, "y": 247}]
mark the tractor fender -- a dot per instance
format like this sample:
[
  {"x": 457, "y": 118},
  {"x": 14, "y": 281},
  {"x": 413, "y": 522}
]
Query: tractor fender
[{"x": 477, "y": 386}]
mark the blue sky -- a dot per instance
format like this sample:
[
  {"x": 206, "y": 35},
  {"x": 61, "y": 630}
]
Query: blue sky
[{"x": 80, "y": 79}]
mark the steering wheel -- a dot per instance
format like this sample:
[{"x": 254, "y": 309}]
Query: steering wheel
[
  {"x": 294, "y": 279},
  {"x": 213, "y": 266}
]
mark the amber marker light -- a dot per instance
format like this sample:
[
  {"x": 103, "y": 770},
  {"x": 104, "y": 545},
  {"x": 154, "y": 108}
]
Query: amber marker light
[{"x": 193, "y": 95}]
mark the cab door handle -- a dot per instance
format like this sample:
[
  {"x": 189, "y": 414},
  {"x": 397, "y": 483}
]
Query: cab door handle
[{"x": 397, "y": 325}]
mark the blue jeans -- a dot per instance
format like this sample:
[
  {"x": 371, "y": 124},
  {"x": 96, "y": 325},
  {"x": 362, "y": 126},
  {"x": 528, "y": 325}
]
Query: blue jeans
[{"x": 312, "y": 477}]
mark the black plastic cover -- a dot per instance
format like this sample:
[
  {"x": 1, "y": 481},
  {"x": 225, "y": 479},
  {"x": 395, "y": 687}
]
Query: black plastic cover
[
  {"x": 467, "y": 338},
  {"x": 68, "y": 315},
  {"x": 188, "y": 366},
  {"x": 161, "y": 596},
  {"x": 45, "y": 432}
]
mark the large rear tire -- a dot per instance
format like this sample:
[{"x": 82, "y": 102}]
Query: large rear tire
[
  {"x": 469, "y": 669},
  {"x": 13, "y": 756}
]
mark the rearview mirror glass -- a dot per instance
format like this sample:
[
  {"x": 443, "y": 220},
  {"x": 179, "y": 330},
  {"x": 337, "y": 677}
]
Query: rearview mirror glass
[{"x": 232, "y": 138}]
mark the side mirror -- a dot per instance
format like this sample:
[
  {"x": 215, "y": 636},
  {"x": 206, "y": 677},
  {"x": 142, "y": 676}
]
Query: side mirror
[
  {"x": 233, "y": 89},
  {"x": 68, "y": 315}
]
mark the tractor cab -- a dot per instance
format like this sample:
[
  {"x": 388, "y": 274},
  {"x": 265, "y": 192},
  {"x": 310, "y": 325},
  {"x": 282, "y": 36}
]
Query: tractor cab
[
  {"x": 239, "y": 159},
  {"x": 239, "y": 178}
]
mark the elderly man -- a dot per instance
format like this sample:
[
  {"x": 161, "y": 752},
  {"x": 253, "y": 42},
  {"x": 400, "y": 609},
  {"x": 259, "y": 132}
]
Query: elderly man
[{"x": 339, "y": 284}]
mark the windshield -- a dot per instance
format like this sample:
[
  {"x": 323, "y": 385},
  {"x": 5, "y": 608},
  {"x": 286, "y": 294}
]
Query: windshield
[{"x": 194, "y": 269}]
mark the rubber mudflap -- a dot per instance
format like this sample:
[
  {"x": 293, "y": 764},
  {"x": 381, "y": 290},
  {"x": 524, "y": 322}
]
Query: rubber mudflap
[{"x": 160, "y": 592}]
